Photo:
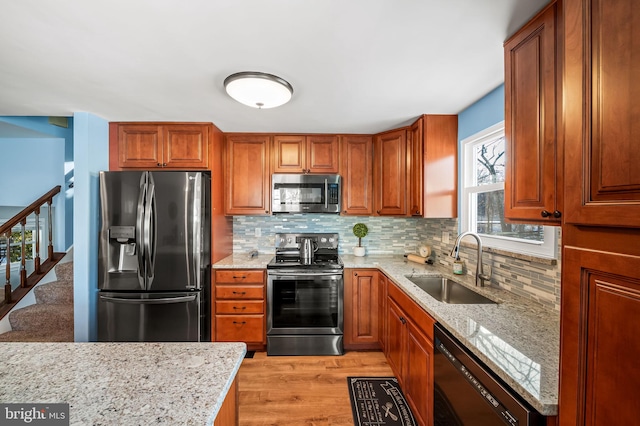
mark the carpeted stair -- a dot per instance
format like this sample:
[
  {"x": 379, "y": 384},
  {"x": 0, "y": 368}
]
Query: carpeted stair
[{"x": 51, "y": 318}]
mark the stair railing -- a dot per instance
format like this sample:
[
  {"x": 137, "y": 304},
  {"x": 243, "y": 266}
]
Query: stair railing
[{"x": 6, "y": 230}]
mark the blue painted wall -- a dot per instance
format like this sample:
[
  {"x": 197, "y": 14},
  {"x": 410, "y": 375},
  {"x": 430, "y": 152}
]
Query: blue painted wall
[
  {"x": 483, "y": 113},
  {"x": 91, "y": 151},
  {"x": 40, "y": 125}
]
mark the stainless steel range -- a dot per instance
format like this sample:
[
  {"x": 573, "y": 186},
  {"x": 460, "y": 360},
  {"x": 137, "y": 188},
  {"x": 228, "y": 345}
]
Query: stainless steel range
[{"x": 305, "y": 296}]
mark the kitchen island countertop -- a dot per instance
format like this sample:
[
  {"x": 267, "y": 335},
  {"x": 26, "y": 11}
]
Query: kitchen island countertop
[
  {"x": 123, "y": 383},
  {"x": 518, "y": 339}
]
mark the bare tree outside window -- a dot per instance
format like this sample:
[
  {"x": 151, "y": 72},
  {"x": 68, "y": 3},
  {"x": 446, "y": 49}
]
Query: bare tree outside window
[{"x": 490, "y": 220}]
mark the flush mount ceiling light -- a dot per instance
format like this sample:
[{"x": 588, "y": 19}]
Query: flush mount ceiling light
[{"x": 258, "y": 89}]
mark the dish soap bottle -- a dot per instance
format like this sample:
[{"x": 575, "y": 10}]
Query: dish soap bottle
[{"x": 458, "y": 266}]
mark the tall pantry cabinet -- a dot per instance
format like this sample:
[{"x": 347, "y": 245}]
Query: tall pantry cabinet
[{"x": 600, "y": 311}]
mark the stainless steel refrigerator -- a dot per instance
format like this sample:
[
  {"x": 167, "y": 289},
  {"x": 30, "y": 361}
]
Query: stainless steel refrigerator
[{"x": 154, "y": 256}]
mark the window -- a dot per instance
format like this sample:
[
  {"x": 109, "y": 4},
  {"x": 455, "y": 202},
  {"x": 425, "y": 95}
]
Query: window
[{"x": 482, "y": 203}]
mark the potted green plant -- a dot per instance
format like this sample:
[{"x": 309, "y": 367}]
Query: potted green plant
[{"x": 360, "y": 230}]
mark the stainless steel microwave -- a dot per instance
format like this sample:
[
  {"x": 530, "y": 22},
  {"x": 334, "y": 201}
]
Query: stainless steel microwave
[{"x": 298, "y": 193}]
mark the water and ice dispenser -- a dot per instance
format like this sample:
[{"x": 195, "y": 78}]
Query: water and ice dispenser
[{"x": 123, "y": 245}]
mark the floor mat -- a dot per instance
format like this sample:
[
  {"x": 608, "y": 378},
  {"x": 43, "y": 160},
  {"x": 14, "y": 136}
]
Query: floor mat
[{"x": 377, "y": 401}]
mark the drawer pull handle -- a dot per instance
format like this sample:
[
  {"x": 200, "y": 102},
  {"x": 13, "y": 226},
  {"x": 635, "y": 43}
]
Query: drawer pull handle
[
  {"x": 240, "y": 292},
  {"x": 240, "y": 322},
  {"x": 242, "y": 307},
  {"x": 241, "y": 277}
]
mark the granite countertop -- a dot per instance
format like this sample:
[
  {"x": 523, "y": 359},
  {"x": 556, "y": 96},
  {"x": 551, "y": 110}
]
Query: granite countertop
[
  {"x": 123, "y": 383},
  {"x": 518, "y": 339}
]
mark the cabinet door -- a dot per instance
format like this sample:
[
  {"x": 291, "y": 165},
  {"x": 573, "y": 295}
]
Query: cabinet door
[
  {"x": 289, "y": 154},
  {"x": 396, "y": 338},
  {"x": 418, "y": 379},
  {"x": 247, "y": 175},
  {"x": 600, "y": 377},
  {"x": 322, "y": 154},
  {"x": 533, "y": 185},
  {"x": 601, "y": 114},
  {"x": 139, "y": 145},
  {"x": 356, "y": 171},
  {"x": 186, "y": 146},
  {"x": 364, "y": 309},
  {"x": 390, "y": 154},
  {"x": 415, "y": 169}
]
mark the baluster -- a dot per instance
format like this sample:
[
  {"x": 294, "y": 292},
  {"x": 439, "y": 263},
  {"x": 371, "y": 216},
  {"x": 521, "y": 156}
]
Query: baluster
[
  {"x": 36, "y": 260},
  {"x": 23, "y": 255},
  {"x": 7, "y": 286},
  {"x": 50, "y": 223}
]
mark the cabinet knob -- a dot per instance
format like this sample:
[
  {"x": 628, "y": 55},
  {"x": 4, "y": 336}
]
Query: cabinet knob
[
  {"x": 545, "y": 213},
  {"x": 355, "y": 274},
  {"x": 266, "y": 211},
  {"x": 378, "y": 211},
  {"x": 164, "y": 164},
  {"x": 417, "y": 211},
  {"x": 159, "y": 165},
  {"x": 557, "y": 214},
  {"x": 402, "y": 320}
]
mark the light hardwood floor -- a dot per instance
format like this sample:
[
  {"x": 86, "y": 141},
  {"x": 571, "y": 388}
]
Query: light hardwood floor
[{"x": 302, "y": 390}]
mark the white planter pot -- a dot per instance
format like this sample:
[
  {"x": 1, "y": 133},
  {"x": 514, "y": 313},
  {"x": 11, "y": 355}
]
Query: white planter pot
[{"x": 358, "y": 251}]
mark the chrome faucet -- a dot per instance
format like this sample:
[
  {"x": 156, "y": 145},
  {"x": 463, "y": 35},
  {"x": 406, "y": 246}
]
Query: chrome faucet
[{"x": 480, "y": 275}]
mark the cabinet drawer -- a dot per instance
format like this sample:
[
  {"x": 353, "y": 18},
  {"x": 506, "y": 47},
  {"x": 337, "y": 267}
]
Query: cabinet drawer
[
  {"x": 240, "y": 307},
  {"x": 240, "y": 277},
  {"x": 239, "y": 292},
  {"x": 239, "y": 328}
]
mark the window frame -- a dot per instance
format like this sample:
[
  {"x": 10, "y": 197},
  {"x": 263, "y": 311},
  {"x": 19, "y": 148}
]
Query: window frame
[{"x": 547, "y": 249}]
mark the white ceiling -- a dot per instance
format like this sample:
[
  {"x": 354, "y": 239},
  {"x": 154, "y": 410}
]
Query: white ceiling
[{"x": 356, "y": 66}]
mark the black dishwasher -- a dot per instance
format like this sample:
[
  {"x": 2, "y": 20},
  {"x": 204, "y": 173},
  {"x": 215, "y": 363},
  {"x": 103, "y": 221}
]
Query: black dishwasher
[{"x": 467, "y": 393}]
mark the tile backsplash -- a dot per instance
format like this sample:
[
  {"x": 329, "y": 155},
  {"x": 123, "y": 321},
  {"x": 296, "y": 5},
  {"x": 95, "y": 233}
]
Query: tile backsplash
[
  {"x": 536, "y": 280},
  {"x": 386, "y": 235}
]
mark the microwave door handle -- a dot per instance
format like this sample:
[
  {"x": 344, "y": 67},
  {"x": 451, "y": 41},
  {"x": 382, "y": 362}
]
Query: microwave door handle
[{"x": 326, "y": 194}]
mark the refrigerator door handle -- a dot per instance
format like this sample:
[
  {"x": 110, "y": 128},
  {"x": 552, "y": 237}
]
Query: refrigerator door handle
[
  {"x": 140, "y": 230},
  {"x": 164, "y": 301},
  {"x": 150, "y": 230}
]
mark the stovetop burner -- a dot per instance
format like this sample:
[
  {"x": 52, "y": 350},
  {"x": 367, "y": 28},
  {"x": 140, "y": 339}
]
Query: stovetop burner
[{"x": 288, "y": 252}]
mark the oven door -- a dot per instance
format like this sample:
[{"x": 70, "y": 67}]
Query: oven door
[{"x": 305, "y": 303}]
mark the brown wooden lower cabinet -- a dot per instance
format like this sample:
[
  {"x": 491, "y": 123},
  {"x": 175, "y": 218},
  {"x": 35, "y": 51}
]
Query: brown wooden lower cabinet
[
  {"x": 409, "y": 350},
  {"x": 382, "y": 310},
  {"x": 361, "y": 323},
  {"x": 228, "y": 414},
  {"x": 238, "y": 308},
  {"x": 599, "y": 372}
]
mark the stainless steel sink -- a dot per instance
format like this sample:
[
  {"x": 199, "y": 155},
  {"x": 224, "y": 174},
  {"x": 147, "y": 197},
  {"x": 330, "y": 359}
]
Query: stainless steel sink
[{"x": 448, "y": 291}]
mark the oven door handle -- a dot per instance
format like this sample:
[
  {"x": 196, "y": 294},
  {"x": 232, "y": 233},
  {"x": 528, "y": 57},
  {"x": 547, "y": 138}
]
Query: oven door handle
[{"x": 305, "y": 274}]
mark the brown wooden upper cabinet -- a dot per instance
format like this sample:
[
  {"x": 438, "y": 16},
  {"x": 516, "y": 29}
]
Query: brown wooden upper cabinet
[
  {"x": 247, "y": 174},
  {"x": 534, "y": 149},
  {"x": 305, "y": 154},
  {"x": 389, "y": 170},
  {"x": 433, "y": 166},
  {"x": 356, "y": 170},
  {"x": 602, "y": 118},
  {"x": 159, "y": 145}
]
